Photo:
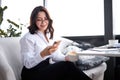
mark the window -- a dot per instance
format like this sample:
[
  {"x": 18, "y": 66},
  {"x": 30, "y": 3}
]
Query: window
[
  {"x": 116, "y": 17},
  {"x": 77, "y": 17},
  {"x": 70, "y": 17},
  {"x": 19, "y": 11}
]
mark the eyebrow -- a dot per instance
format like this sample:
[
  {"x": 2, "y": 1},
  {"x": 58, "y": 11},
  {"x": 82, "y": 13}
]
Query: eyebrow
[{"x": 42, "y": 18}]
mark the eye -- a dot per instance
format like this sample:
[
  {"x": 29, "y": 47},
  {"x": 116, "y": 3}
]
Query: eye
[
  {"x": 39, "y": 19},
  {"x": 46, "y": 18}
]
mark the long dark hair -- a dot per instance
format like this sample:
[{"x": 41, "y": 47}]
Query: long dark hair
[{"x": 33, "y": 28}]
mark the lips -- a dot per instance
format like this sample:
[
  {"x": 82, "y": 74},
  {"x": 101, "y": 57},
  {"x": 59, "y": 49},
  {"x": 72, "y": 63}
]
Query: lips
[{"x": 42, "y": 25}]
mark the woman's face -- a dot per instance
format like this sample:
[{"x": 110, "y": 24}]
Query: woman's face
[{"x": 42, "y": 21}]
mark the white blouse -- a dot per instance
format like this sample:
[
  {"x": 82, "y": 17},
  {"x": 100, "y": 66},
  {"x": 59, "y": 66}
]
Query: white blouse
[{"x": 31, "y": 47}]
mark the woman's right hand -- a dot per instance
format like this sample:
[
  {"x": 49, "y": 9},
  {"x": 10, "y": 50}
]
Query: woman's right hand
[
  {"x": 54, "y": 47},
  {"x": 49, "y": 50}
]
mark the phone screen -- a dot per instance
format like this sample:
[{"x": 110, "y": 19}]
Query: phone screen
[{"x": 56, "y": 42}]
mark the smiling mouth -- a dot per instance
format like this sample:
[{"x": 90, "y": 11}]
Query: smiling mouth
[{"x": 42, "y": 25}]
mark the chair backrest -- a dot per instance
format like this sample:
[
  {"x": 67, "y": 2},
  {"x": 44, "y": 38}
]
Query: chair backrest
[
  {"x": 11, "y": 51},
  {"x": 5, "y": 68}
]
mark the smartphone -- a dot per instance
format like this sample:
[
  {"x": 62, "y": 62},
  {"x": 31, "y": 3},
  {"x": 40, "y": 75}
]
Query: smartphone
[{"x": 56, "y": 43}]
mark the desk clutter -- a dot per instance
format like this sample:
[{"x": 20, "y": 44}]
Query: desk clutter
[
  {"x": 108, "y": 48},
  {"x": 84, "y": 62},
  {"x": 89, "y": 63},
  {"x": 114, "y": 46}
]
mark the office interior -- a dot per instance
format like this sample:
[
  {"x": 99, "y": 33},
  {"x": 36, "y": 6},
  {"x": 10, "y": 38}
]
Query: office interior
[{"x": 113, "y": 65}]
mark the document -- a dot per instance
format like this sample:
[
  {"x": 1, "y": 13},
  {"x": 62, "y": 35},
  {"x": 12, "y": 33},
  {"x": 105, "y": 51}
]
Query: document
[{"x": 113, "y": 52}]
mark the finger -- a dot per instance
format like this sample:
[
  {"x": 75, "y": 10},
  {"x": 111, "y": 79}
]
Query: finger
[{"x": 52, "y": 50}]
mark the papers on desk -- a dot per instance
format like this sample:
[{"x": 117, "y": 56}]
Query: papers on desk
[
  {"x": 115, "y": 45},
  {"x": 113, "y": 52},
  {"x": 104, "y": 50}
]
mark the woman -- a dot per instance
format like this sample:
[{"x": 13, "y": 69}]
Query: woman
[{"x": 37, "y": 52}]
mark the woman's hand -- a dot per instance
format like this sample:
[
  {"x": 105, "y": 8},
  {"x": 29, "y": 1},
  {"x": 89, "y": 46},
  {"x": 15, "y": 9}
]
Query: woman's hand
[
  {"x": 50, "y": 49},
  {"x": 54, "y": 47},
  {"x": 71, "y": 56}
]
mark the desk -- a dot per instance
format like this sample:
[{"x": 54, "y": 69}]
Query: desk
[
  {"x": 112, "y": 52},
  {"x": 113, "y": 71},
  {"x": 109, "y": 53}
]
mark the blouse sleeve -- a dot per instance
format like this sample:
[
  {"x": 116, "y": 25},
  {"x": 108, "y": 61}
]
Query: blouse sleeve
[
  {"x": 29, "y": 57},
  {"x": 58, "y": 56}
]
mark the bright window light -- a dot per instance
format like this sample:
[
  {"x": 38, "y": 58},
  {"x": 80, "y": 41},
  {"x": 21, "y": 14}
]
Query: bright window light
[
  {"x": 19, "y": 11},
  {"x": 77, "y": 17},
  {"x": 116, "y": 17},
  {"x": 70, "y": 17}
]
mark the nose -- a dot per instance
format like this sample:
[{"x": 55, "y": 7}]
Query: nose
[{"x": 43, "y": 21}]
